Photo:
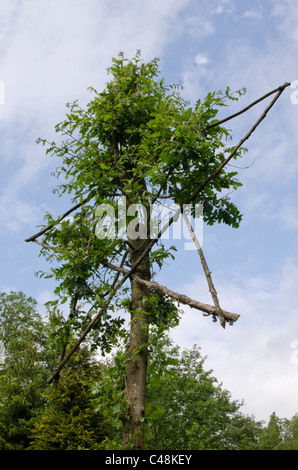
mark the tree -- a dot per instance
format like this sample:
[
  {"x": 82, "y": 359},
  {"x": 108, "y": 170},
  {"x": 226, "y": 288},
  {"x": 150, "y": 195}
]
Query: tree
[
  {"x": 27, "y": 362},
  {"x": 280, "y": 434},
  {"x": 186, "y": 407},
  {"x": 242, "y": 433},
  {"x": 291, "y": 435},
  {"x": 272, "y": 435},
  {"x": 137, "y": 145},
  {"x": 69, "y": 421}
]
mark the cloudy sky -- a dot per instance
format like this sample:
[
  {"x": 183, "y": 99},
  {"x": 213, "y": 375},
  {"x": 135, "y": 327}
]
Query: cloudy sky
[{"x": 51, "y": 52}]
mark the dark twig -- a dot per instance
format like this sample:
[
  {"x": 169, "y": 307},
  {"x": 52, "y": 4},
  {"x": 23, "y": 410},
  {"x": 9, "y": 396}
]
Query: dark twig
[
  {"x": 280, "y": 88},
  {"x": 235, "y": 150},
  {"x": 49, "y": 227}
]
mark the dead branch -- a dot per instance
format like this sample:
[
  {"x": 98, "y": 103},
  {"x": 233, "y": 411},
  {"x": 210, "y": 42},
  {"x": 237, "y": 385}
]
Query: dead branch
[
  {"x": 218, "y": 123},
  {"x": 235, "y": 150},
  {"x": 207, "y": 271},
  {"x": 49, "y": 227},
  {"x": 183, "y": 299},
  {"x": 44, "y": 245},
  {"x": 71, "y": 314}
]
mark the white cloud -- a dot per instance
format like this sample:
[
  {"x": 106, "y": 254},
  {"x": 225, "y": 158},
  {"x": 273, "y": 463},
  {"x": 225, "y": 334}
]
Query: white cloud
[
  {"x": 16, "y": 214},
  {"x": 199, "y": 27},
  {"x": 55, "y": 50},
  {"x": 224, "y": 6},
  {"x": 26, "y": 175},
  {"x": 44, "y": 297},
  {"x": 287, "y": 14},
  {"x": 201, "y": 59},
  {"x": 286, "y": 215},
  {"x": 254, "y": 13},
  {"x": 51, "y": 52}
]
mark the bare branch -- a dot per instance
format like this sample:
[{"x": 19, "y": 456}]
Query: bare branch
[
  {"x": 80, "y": 340},
  {"x": 235, "y": 150},
  {"x": 206, "y": 270},
  {"x": 183, "y": 299},
  {"x": 44, "y": 245},
  {"x": 280, "y": 88},
  {"x": 71, "y": 314},
  {"x": 49, "y": 227}
]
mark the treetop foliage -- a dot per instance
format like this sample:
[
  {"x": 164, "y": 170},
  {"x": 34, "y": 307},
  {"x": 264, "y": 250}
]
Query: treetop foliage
[{"x": 139, "y": 128}]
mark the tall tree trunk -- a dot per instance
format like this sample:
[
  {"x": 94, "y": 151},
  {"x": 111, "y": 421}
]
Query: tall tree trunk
[{"x": 135, "y": 388}]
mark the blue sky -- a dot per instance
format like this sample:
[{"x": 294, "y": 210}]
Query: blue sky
[{"x": 50, "y": 52}]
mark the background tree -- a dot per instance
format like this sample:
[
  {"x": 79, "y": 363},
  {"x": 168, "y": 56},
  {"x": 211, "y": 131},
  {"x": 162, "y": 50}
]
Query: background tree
[
  {"x": 279, "y": 434},
  {"x": 186, "y": 407},
  {"x": 242, "y": 432},
  {"x": 290, "y": 441},
  {"x": 69, "y": 421},
  {"x": 138, "y": 140},
  {"x": 27, "y": 362},
  {"x": 273, "y": 434}
]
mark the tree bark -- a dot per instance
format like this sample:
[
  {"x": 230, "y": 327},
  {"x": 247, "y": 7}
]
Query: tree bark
[{"x": 137, "y": 350}]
